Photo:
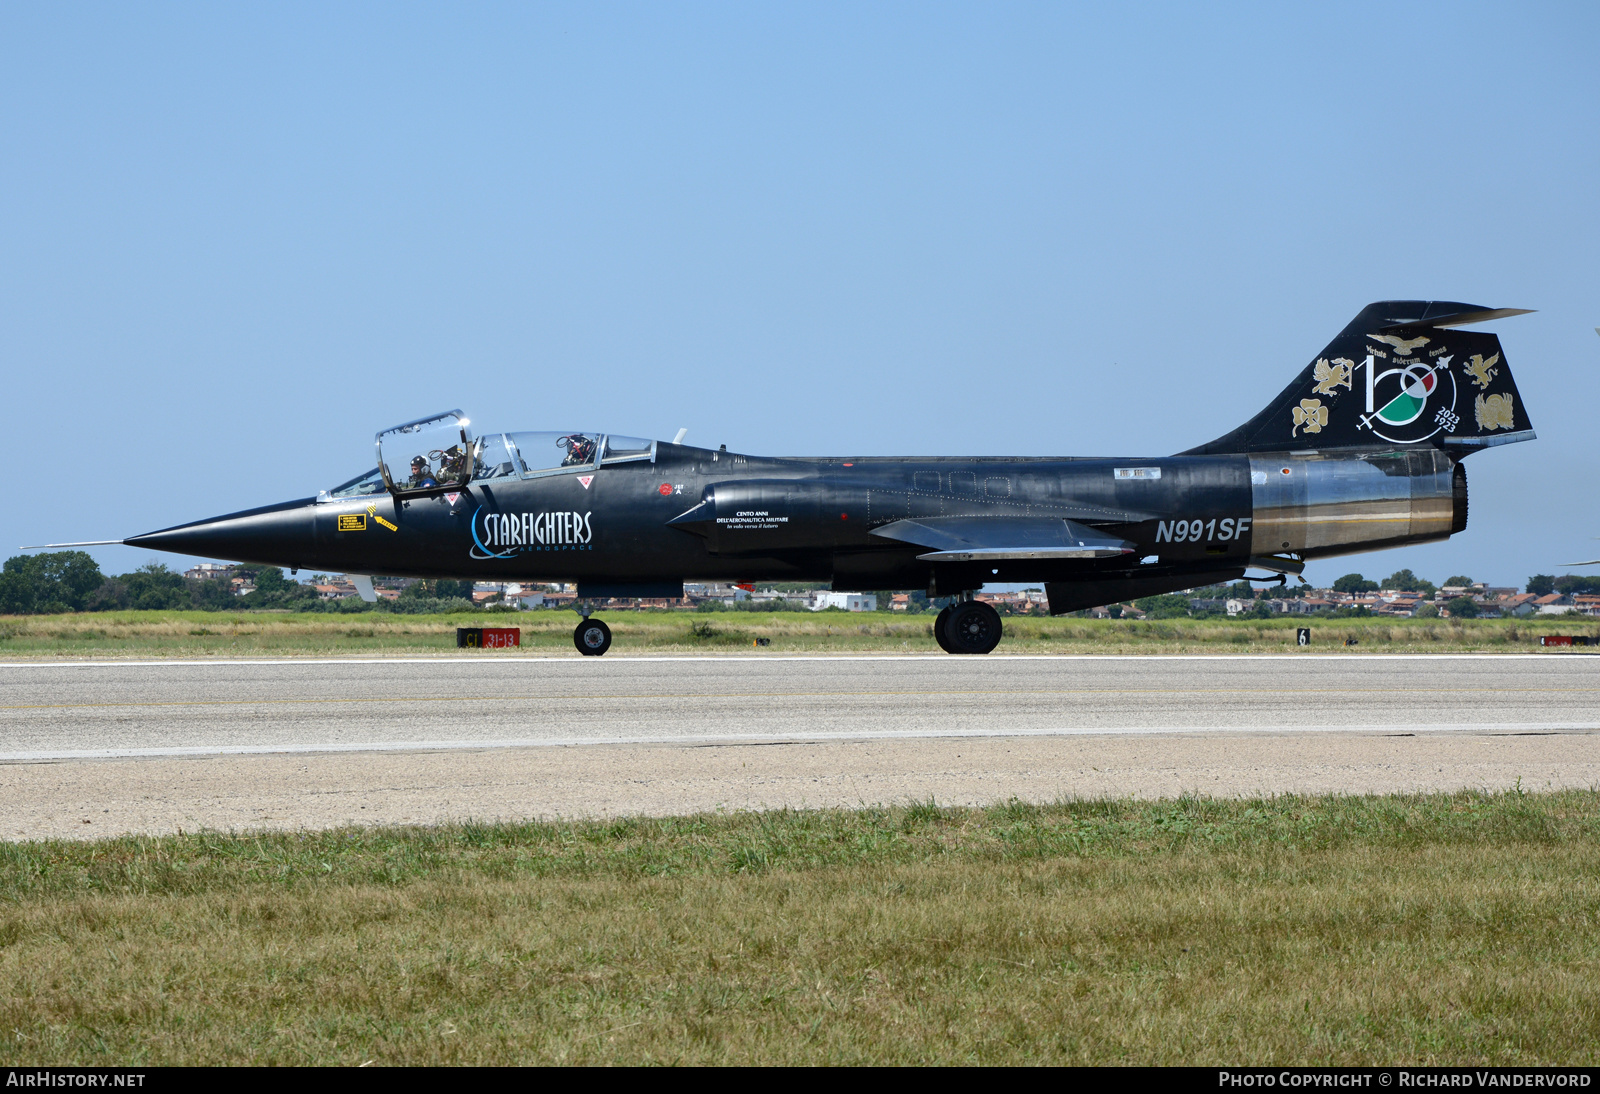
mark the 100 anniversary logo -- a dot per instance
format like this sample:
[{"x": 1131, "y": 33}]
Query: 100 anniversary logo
[
  {"x": 1410, "y": 391},
  {"x": 506, "y": 535}
]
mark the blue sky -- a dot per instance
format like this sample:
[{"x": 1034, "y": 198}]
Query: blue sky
[{"x": 237, "y": 241}]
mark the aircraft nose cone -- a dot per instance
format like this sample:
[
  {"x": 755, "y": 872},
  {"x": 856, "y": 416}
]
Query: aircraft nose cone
[{"x": 275, "y": 534}]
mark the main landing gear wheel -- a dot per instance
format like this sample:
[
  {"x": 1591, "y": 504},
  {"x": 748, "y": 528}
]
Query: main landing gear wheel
[
  {"x": 592, "y": 638},
  {"x": 972, "y": 627},
  {"x": 938, "y": 630}
]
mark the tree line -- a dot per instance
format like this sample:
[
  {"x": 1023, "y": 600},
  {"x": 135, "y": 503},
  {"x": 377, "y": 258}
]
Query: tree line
[{"x": 71, "y": 581}]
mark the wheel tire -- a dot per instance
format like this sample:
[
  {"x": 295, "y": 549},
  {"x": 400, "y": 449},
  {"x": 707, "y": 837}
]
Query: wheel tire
[
  {"x": 938, "y": 630},
  {"x": 973, "y": 627},
  {"x": 592, "y": 638}
]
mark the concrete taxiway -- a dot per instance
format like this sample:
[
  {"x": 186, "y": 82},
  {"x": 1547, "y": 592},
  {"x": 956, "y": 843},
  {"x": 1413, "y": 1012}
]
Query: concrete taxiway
[{"x": 98, "y": 748}]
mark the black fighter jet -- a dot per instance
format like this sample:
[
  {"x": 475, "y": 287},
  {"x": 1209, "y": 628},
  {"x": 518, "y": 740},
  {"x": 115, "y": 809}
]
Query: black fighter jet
[{"x": 1362, "y": 451}]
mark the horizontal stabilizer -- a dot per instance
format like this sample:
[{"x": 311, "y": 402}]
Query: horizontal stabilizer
[
  {"x": 1455, "y": 318},
  {"x": 1003, "y": 539}
]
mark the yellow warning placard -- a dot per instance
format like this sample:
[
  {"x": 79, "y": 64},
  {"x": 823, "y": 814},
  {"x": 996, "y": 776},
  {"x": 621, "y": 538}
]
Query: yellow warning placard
[{"x": 352, "y": 522}]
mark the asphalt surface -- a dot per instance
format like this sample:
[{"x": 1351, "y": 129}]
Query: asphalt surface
[
  {"x": 107, "y": 709},
  {"x": 103, "y": 747}
]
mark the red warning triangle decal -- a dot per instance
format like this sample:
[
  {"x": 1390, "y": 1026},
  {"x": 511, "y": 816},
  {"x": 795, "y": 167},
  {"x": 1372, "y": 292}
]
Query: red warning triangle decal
[{"x": 586, "y": 480}]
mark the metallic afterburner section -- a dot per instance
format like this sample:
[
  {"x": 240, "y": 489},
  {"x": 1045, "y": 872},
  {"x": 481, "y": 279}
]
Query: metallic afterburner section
[{"x": 1319, "y": 505}]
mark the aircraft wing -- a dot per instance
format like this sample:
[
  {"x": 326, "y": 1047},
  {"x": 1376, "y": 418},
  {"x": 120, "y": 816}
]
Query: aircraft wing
[{"x": 1003, "y": 539}]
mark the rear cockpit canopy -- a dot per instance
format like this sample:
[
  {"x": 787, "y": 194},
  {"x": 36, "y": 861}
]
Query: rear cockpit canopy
[
  {"x": 434, "y": 454},
  {"x": 530, "y": 454}
]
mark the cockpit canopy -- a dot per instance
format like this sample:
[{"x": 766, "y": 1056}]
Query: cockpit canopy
[{"x": 439, "y": 453}]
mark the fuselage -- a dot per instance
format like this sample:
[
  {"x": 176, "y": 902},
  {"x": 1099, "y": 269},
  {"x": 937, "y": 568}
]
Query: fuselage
[
  {"x": 689, "y": 513},
  {"x": 1361, "y": 451}
]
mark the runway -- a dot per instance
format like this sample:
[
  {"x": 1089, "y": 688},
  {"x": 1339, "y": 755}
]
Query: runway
[{"x": 103, "y": 747}]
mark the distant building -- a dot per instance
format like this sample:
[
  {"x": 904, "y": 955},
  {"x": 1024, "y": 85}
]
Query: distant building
[
  {"x": 1520, "y": 605},
  {"x": 850, "y": 602},
  {"x": 728, "y": 593},
  {"x": 1010, "y": 602},
  {"x": 209, "y": 571},
  {"x": 793, "y": 600}
]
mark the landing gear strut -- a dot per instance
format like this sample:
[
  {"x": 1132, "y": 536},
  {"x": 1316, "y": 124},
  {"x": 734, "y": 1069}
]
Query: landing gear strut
[{"x": 969, "y": 626}]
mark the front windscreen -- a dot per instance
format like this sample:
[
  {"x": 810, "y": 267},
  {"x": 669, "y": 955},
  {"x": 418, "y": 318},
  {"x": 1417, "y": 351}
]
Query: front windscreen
[
  {"x": 496, "y": 458},
  {"x": 360, "y": 486},
  {"x": 553, "y": 451}
]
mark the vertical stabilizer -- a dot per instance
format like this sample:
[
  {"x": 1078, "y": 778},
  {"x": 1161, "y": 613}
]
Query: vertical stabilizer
[{"x": 1398, "y": 374}]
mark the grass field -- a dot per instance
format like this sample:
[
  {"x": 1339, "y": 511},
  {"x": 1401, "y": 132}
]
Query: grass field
[
  {"x": 1438, "y": 929},
  {"x": 233, "y": 634}
]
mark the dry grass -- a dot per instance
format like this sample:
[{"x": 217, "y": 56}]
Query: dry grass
[
  {"x": 235, "y": 634},
  {"x": 1439, "y": 929}
]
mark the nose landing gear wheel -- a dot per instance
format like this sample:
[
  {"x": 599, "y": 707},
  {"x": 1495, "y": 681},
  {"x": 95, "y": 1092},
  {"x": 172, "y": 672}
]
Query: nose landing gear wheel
[
  {"x": 592, "y": 638},
  {"x": 938, "y": 631},
  {"x": 972, "y": 627}
]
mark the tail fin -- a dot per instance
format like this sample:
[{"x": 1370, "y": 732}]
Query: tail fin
[{"x": 1399, "y": 374}]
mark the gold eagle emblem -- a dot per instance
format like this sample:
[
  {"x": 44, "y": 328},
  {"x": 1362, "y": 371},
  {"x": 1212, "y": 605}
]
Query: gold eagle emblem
[
  {"x": 1402, "y": 346},
  {"x": 1482, "y": 371},
  {"x": 1493, "y": 412},
  {"x": 1332, "y": 374},
  {"x": 1310, "y": 415}
]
